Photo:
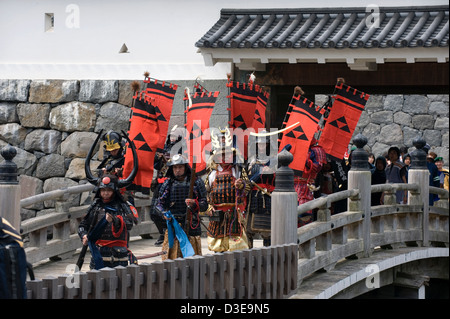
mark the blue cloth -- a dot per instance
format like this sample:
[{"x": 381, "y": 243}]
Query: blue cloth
[
  {"x": 92, "y": 238},
  {"x": 174, "y": 229}
]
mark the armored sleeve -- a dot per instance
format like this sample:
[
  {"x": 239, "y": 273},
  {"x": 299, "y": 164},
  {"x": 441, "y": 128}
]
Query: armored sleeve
[
  {"x": 163, "y": 200},
  {"x": 83, "y": 228},
  {"x": 201, "y": 194}
]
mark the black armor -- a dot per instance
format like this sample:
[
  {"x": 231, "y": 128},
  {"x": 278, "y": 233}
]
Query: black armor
[{"x": 172, "y": 198}]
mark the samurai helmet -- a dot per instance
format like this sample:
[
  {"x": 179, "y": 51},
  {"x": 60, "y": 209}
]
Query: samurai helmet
[
  {"x": 216, "y": 139},
  {"x": 108, "y": 181},
  {"x": 113, "y": 141},
  {"x": 120, "y": 183},
  {"x": 177, "y": 159}
]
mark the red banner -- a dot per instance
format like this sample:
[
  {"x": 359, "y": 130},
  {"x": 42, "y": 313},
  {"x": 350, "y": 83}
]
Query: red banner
[
  {"x": 144, "y": 132},
  {"x": 307, "y": 115},
  {"x": 344, "y": 115},
  {"x": 163, "y": 94},
  {"x": 259, "y": 119},
  {"x": 247, "y": 109},
  {"x": 197, "y": 127}
]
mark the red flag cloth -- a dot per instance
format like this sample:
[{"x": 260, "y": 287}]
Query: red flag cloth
[
  {"x": 197, "y": 127},
  {"x": 144, "y": 132},
  {"x": 259, "y": 119},
  {"x": 345, "y": 112},
  {"x": 247, "y": 109},
  {"x": 164, "y": 95},
  {"x": 299, "y": 137}
]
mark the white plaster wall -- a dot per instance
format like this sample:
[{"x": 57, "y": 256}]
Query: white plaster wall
[{"x": 88, "y": 35}]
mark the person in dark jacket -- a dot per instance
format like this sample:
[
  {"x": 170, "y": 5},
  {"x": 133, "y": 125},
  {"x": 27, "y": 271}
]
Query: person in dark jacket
[{"x": 378, "y": 177}]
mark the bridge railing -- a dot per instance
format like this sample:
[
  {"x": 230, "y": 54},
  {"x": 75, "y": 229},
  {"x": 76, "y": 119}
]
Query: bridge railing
[
  {"x": 332, "y": 238},
  {"x": 258, "y": 273}
]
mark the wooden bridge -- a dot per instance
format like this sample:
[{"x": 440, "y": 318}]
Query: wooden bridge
[{"x": 338, "y": 256}]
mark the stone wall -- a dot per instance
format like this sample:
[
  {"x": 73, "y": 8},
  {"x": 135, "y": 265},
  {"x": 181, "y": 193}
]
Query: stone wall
[
  {"x": 53, "y": 123},
  {"x": 396, "y": 120}
]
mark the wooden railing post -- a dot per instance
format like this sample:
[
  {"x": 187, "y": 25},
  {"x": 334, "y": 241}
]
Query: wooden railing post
[
  {"x": 419, "y": 174},
  {"x": 359, "y": 177},
  {"x": 9, "y": 188},
  {"x": 284, "y": 203}
]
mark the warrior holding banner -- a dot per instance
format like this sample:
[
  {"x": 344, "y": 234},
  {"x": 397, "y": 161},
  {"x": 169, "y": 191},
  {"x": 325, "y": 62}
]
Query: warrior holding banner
[
  {"x": 160, "y": 165},
  {"x": 174, "y": 202},
  {"x": 261, "y": 174},
  {"x": 227, "y": 185}
]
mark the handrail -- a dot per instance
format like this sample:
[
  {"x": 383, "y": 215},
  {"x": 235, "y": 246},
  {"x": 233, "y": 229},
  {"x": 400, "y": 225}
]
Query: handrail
[{"x": 56, "y": 194}]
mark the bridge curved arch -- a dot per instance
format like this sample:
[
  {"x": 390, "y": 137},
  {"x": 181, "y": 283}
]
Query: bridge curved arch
[{"x": 349, "y": 274}]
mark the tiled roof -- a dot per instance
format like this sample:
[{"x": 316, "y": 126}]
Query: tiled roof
[{"x": 424, "y": 26}]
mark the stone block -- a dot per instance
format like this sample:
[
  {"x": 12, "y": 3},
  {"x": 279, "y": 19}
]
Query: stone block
[
  {"x": 73, "y": 116},
  {"x": 382, "y": 117},
  {"x": 14, "y": 90},
  {"x": 53, "y": 91},
  {"x": 8, "y": 113},
  {"x": 433, "y": 137},
  {"x": 402, "y": 118},
  {"x": 99, "y": 91},
  {"x": 78, "y": 144},
  {"x": 12, "y": 133},
  {"x": 31, "y": 186},
  {"x": 423, "y": 122},
  {"x": 33, "y": 115},
  {"x": 46, "y": 141},
  {"x": 76, "y": 169},
  {"x": 51, "y": 165},
  {"x": 113, "y": 116},
  {"x": 415, "y": 104},
  {"x": 441, "y": 123},
  {"x": 391, "y": 134},
  {"x": 393, "y": 102},
  {"x": 56, "y": 183}
]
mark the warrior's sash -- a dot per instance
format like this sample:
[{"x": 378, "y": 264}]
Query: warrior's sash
[
  {"x": 299, "y": 137},
  {"x": 144, "y": 132},
  {"x": 163, "y": 94},
  {"x": 175, "y": 230},
  {"x": 197, "y": 127},
  {"x": 341, "y": 122}
]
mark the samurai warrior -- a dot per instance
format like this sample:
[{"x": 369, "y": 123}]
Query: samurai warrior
[
  {"x": 115, "y": 158},
  {"x": 305, "y": 185},
  {"x": 174, "y": 202},
  {"x": 160, "y": 165},
  {"x": 262, "y": 178},
  {"x": 228, "y": 186},
  {"x": 109, "y": 219}
]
